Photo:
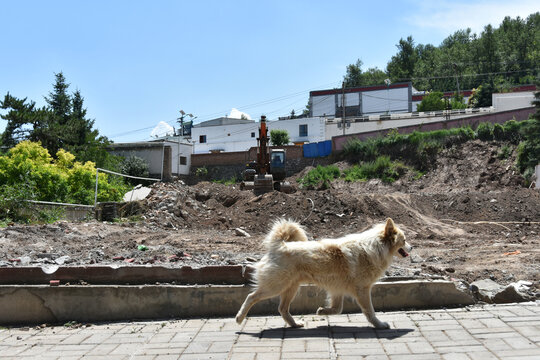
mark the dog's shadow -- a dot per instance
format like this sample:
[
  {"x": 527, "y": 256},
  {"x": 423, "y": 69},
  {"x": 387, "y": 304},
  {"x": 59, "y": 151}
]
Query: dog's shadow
[{"x": 333, "y": 331}]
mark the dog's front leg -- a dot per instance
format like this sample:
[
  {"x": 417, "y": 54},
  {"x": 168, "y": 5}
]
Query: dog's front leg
[{"x": 363, "y": 297}]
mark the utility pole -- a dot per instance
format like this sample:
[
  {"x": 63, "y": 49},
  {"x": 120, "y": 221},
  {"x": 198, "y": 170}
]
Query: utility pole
[
  {"x": 388, "y": 82},
  {"x": 181, "y": 136},
  {"x": 454, "y": 65},
  {"x": 343, "y": 106}
]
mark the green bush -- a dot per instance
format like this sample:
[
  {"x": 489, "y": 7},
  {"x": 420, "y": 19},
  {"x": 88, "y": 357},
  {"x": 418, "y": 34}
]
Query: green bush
[
  {"x": 504, "y": 152},
  {"x": 484, "y": 131},
  {"x": 60, "y": 180},
  {"x": 512, "y": 131}
]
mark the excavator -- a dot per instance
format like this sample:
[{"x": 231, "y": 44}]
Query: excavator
[{"x": 267, "y": 173}]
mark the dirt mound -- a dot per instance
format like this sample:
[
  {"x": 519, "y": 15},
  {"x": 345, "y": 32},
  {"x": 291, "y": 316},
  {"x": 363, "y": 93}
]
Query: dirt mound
[{"x": 470, "y": 218}]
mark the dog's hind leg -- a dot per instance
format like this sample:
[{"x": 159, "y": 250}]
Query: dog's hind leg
[
  {"x": 336, "y": 306},
  {"x": 259, "y": 294},
  {"x": 287, "y": 297},
  {"x": 363, "y": 297}
]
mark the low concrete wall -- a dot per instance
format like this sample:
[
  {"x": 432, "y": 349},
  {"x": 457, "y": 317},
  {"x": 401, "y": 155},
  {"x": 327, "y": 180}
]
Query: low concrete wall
[
  {"x": 36, "y": 304},
  {"x": 339, "y": 142}
]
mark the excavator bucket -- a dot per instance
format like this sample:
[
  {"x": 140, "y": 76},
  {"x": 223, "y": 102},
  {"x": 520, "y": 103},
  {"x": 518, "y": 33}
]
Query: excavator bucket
[{"x": 263, "y": 183}]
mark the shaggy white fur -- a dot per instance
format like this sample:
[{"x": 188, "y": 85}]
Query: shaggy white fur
[{"x": 349, "y": 265}]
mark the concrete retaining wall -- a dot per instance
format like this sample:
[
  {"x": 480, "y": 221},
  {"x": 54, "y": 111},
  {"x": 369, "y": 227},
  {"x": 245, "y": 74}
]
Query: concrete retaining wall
[{"x": 36, "y": 304}]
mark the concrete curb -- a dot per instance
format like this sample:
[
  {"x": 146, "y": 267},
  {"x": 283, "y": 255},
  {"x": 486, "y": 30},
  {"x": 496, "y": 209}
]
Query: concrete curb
[{"x": 36, "y": 304}]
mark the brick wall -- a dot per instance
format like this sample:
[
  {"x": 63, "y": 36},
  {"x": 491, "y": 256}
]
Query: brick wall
[
  {"x": 238, "y": 157},
  {"x": 225, "y": 166}
]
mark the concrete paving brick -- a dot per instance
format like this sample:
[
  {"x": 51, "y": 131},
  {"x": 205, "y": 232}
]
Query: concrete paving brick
[
  {"x": 204, "y": 356},
  {"x": 472, "y": 324},
  {"x": 99, "y": 357},
  {"x": 416, "y": 357},
  {"x": 396, "y": 348},
  {"x": 493, "y": 330},
  {"x": 519, "y": 342},
  {"x": 163, "y": 351},
  {"x": 455, "y": 356},
  {"x": 505, "y": 332},
  {"x": 265, "y": 356},
  {"x": 482, "y": 355},
  {"x": 438, "y": 344},
  {"x": 293, "y": 345},
  {"x": 420, "y": 347},
  {"x": 460, "y": 349},
  {"x": 102, "y": 349}
]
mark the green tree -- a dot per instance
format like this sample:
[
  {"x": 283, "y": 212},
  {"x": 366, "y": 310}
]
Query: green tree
[
  {"x": 401, "y": 66},
  {"x": 60, "y": 124},
  {"x": 279, "y": 137},
  {"x": 355, "y": 76}
]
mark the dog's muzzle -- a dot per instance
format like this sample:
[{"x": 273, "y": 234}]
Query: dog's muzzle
[{"x": 402, "y": 252}]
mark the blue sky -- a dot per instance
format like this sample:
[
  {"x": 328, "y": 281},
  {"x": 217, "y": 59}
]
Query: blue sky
[{"x": 137, "y": 63}]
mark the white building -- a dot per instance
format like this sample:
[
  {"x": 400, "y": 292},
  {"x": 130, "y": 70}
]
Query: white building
[
  {"x": 360, "y": 101},
  {"x": 154, "y": 154},
  {"x": 227, "y": 134},
  {"x": 513, "y": 100}
]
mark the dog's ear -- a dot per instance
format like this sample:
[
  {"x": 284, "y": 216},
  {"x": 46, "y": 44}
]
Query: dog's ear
[{"x": 389, "y": 229}]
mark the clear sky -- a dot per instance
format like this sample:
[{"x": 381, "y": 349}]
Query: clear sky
[{"x": 137, "y": 63}]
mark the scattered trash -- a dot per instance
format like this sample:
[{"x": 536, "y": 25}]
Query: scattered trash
[
  {"x": 129, "y": 260},
  {"x": 54, "y": 282},
  {"x": 512, "y": 253},
  {"x": 118, "y": 258},
  {"x": 62, "y": 260},
  {"x": 142, "y": 247},
  {"x": 241, "y": 232}
]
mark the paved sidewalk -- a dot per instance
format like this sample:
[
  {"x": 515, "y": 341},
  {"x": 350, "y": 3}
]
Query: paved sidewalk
[{"x": 489, "y": 332}]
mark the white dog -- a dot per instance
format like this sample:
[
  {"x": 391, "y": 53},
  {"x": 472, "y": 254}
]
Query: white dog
[{"x": 346, "y": 266}]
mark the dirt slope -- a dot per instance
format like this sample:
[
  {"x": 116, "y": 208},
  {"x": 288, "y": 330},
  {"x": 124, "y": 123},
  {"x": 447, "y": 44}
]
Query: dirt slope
[{"x": 195, "y": 225}]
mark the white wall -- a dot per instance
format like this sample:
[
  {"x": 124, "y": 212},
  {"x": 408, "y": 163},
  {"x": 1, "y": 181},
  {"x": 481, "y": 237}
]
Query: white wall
[
  {"x": 382, "y": 101},
  {"x": 333, "y": 127},
  {"x": 154, "y": 156},
  {"x": 316, "y": 128},
  {"x": 371, "y": 101},
  {"x": 510, "y": 101},
  {"x": 324, "y": 105},
  {"x": 238, "y": 137}
]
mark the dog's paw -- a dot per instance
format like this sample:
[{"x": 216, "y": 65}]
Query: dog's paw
[
  {"x": 239, "y": 319},
  {"x": 381, "y": 325},
  {"x": 321, "y": 311},
  {"x": 297, "y": 325}
]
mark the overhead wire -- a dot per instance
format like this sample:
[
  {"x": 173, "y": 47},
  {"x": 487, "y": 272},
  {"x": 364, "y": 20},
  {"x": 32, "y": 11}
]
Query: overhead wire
[{"x": 288, "y": 96}]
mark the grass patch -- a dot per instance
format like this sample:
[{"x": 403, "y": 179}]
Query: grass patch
[
  {"x": 382, "y": 168},
  {"x": 320, "y": 177}
]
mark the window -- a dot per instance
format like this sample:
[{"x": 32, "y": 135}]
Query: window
[
  {"x": 202, "y": 139},
  {"x": 303, "y": 130},
  {"x": 252, "y": 134},
  {"x": 183, "y": 160}
]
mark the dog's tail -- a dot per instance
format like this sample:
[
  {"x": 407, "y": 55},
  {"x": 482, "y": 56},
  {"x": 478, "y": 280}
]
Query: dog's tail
[{"x": 285, "y": 231}]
